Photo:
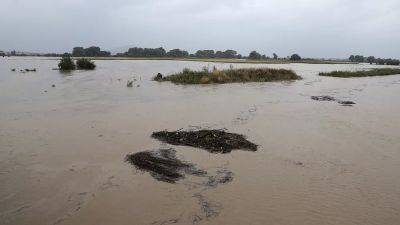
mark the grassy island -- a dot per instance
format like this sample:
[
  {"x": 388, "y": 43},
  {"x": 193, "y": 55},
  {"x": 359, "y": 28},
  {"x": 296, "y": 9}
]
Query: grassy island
[
  {"x": 363, "y": 73},
  {"x": 206, "y": 76}
]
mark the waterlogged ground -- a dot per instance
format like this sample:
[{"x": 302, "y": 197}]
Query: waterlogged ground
[{"x": 62, "y": 148}]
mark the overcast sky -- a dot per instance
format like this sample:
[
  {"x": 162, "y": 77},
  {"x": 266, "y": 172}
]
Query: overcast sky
[{"x": 312, "y": 28}]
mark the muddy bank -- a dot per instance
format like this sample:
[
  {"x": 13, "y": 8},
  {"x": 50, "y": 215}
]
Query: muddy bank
[
  {"x": 163, "y": 165},
  {"x": 330, "y": 98},
  {"x": 215, "y": 141}
]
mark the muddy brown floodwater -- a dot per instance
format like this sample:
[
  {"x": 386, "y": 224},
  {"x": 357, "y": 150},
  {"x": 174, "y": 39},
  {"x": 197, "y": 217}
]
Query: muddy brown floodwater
[{"x": 62, "y": 147}]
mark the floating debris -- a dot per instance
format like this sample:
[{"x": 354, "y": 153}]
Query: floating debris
[
  {"x": 330, "y": 98},
  {"x": 13, "y": 70},
  {"x": 129, "y": 83},
  {"x": 215, "y": 141},
  {"x": 346, "y": 103},
  {"x": 222, "y": 177},
  {"x": 30, "y": 70},
  {"x": 53, "y": 85},
  {"x": 209, "y": 209},
  {"x": 323, "y": 98},
  {"x": 163, "y": 165}
]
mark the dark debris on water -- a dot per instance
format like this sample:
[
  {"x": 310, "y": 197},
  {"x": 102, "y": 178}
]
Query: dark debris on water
[
  {"x": 215, "y": 141},
  {"x": 330, "y": 98},
  {"x": 163, "y": 165}
]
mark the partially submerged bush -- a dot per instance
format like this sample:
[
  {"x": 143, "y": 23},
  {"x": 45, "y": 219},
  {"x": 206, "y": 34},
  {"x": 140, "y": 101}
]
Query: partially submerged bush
[
  {"x": 85, "y": 64},
  {"x": 206, "y": 76},
  {"x": 363, "y": 73},
  {"x": 66, "y": 63}
]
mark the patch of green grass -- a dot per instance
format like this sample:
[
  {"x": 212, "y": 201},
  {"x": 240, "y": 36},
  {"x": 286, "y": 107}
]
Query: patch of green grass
[
  {"x": 363, "y": 73},
  {"x": 206, "y": 76}
]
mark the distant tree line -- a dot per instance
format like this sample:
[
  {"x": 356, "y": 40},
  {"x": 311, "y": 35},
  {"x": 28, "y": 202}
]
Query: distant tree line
[
  {"x": 227, "y": 54},
  {"x": 93, "y": 51},
  {"x": 144, "y": 52},
  {"x": 372, "y": 60},
  {"x": 206, "y": 53}
]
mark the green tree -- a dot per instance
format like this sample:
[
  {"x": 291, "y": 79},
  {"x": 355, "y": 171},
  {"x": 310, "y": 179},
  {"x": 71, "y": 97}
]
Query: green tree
[
  {"x": 295, "y": 57},
  {"x": 254, "y": 55},
  {"x": 371, "y": 59},
  {"x": 380, "y": 61},
  {"x": 351, "y": 58},
  {"x": 359, "y": 58},
  {"x": 393, "y": 62},
  {"x": 230, "y": 54},
  {"x": 205, "y": 54},
  {"x": 177, "y": 53},
  {"x": 275, "y": 56}
]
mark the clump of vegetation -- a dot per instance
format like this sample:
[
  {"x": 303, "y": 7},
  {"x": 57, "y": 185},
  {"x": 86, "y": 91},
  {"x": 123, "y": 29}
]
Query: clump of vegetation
[
  {"x": 363, "y": 73},
  {"x": 215, "y": 141},
  {"x": 85, "y": 64},
  {"x": 206, "y": 76},
  {"x": 66, "y": 63}
]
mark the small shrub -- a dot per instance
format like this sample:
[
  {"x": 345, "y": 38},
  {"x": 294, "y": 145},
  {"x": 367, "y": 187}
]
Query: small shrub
[
  {"x": 85, "y": 64},
  {"x": 66, "y": 63}
]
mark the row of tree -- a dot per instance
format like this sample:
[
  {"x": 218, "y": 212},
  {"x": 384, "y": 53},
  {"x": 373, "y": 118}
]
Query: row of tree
[
  {"x": 228, "y": 54},
  {"x": 372, "y": 60},
  {"x": 256, "y": 55},
  {"x": 93, "y": 51},
  {"x": 208, "y": 53}
]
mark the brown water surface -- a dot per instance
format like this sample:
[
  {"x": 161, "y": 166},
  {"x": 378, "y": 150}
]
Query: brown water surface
[{"x": 62, "y": 148}]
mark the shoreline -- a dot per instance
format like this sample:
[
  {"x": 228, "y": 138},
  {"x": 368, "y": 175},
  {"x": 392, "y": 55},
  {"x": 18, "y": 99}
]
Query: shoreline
[{"x": 214, "y": 60}]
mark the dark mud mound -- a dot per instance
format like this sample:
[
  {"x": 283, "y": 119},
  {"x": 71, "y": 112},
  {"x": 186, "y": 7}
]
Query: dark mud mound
[
  {"x": 323, "y": 98},
  {"x": 163, "y": 165},
  {"x": 215, "y": 141}
]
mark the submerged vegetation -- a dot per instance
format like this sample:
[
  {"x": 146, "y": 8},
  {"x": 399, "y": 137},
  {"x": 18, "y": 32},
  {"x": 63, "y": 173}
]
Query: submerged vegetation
[
  {"x": 66, "y": 63},
  {"x": 363, "y": 73},
  {"x": 206, "y": 76},
  {"x": 85, "y": 64}
]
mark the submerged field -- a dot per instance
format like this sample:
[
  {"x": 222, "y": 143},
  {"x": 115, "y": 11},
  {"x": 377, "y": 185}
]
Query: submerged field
[
  {"x": 63, "y": 148},
  {"x": 243, "y": 75},
  {"x": 363, "y": 73}
]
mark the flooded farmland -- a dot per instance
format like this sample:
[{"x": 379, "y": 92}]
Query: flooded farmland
[{"x": 64, "y": 138}]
